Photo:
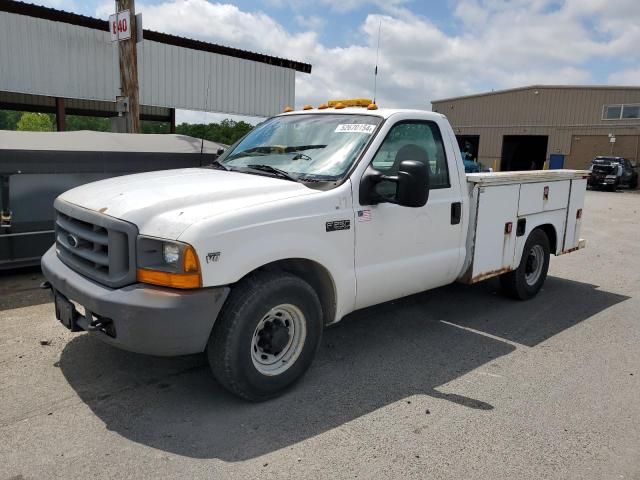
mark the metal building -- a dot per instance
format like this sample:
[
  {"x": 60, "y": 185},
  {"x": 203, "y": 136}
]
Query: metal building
[
  {"x": 55, "y": 61},
  {"x": 543, "y": 126}
]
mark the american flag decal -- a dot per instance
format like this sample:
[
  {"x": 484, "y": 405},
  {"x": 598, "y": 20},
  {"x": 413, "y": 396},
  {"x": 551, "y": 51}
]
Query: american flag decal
[{"x": 364, "y": 215}]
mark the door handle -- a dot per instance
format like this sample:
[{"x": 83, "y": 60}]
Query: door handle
[{"x": 456, "y": 213}]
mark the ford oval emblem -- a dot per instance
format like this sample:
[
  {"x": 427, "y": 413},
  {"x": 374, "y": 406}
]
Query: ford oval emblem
[{"x": 73, "y": 241}]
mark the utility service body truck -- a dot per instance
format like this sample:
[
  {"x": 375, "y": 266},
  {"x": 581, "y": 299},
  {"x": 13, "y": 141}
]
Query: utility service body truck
[{"x": 312, "y": 215}]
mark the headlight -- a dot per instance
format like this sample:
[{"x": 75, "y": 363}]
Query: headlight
[
  {"x": 167, "y": 263},
  {"x": 171, "y": 253}
]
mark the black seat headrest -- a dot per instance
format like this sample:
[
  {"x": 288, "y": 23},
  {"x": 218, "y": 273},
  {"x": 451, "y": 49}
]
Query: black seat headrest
[{"x": 410, "y": 151}]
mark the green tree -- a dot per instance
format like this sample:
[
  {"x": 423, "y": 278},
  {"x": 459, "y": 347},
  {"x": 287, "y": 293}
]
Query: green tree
[
  {"x": 81, "y": 122},
  {"x": 149, "y": 126},
  {"x": 9, "y": 119},
  {"x": 227, "y": 132},
  {"x": 35, "y": 122}
]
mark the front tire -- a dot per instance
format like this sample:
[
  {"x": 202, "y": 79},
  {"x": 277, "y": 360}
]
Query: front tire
[
  {"x": 526, "y": 281},
  {"x": 266, "y": 336}
]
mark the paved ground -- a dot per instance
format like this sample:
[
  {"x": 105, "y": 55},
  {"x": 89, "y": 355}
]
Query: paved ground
[{"x": 454, "y": 383}]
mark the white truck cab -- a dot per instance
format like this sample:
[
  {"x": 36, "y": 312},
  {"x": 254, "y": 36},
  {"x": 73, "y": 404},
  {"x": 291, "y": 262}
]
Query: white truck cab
[{"x": 312, "y": 215}]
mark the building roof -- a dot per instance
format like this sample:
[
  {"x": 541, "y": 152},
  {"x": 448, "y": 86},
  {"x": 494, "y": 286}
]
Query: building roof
[
  {"x": 538, "y": 87},
  {"x": 36, "y": 11}
]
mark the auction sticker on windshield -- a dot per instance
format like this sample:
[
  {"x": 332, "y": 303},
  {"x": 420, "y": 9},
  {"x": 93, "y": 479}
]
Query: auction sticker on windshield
[{"x": 355, "y": 128}]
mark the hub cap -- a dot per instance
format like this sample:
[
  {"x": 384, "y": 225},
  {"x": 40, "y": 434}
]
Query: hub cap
[
  {"x": 533, "y": 267},
  {"x": 278, "y": 339}
]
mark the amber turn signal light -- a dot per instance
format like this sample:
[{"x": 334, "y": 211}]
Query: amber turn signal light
[
  {"x": 168, "y": 279},
  {"x": 190, "y": 260}
]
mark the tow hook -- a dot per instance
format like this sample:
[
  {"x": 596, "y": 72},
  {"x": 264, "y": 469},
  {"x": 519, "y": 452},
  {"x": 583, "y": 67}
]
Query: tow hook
[
  {"x": 102, "y": 324},
  {"x": 99, "y": 324},
  {"x": 46, "y": 286}
]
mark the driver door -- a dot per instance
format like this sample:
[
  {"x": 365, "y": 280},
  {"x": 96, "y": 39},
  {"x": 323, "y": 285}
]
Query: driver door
[{"x": 402, "y": 250}]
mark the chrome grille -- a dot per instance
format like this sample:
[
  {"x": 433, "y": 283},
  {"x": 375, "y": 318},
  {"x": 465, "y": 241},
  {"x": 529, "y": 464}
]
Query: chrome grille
[{"x": 96, "y": 245}]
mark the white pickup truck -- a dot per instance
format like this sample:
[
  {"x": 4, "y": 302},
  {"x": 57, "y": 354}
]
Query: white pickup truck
[{"x": 312, "y": 215}]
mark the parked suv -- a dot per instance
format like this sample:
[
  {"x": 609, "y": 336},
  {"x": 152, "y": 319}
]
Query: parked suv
[{"x": 612, "y": 172}]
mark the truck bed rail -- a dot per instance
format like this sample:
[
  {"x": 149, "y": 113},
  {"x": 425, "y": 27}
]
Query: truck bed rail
[{"x": 527, "y": 176}]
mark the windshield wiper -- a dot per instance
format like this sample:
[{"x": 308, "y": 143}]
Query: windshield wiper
[
  {"x": 268, "y": 149},
  {"x": 299, "y": 148},
  {"x": 276, "y": 171}
]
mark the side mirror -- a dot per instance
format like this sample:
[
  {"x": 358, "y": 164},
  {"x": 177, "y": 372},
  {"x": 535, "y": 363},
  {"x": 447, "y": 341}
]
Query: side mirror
[{"x": 412, "y": 185}]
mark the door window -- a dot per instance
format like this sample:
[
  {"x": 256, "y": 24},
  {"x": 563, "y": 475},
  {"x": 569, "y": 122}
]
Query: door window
[{"x": 412, "y": 140}]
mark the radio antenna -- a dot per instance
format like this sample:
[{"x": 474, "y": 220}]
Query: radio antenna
[
  {"x": 204, "y": 123},
  {"x": 375, "y": 73}
]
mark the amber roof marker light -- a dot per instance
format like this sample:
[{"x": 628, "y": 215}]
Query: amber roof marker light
[{"x": 350, "y": 102}]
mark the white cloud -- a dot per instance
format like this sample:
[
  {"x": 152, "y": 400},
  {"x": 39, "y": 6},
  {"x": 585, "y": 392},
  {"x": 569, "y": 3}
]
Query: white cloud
[
  {"x": 349, "y": 5},
  {"x": 66, "y": 5},
  {"x": 312, "y": 22},
  {"x": 341, "y": 6},
  {"x": 106, "y": 8},
  {"x": 500, "y": 44},
  {"x": 625, "y": 77}
]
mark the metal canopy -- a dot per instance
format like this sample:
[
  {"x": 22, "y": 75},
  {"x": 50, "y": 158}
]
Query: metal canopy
[{"x": 47, "y": 52}]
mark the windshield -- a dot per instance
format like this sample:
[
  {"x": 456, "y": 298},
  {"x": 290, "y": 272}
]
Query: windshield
[
  {"x": 303, "y": 147},
  {"x": 606, "y": 161}
]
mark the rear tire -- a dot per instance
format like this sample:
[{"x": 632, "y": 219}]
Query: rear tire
[
  {"x": 526, "y": 281},
  {"x": 266, "y": 335}
]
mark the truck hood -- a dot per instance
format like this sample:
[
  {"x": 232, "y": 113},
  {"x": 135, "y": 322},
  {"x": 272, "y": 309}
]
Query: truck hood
[{"x": 165, "y": 203}]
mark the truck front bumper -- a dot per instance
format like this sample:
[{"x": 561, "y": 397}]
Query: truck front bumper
[{"x": 140, "y": 318}]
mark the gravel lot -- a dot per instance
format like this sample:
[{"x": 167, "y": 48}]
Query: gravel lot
[{"x": 455, "y": 383}]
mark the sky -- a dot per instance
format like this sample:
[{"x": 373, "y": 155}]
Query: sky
[{"x": 428, "y": 49}]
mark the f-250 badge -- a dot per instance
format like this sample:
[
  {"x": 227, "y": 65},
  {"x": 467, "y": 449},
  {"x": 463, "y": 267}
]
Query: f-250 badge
[{"x": 338, "y": 225}]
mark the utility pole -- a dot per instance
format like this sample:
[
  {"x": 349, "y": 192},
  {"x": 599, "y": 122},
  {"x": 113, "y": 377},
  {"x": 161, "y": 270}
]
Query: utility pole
[{"x": 128, "y": 55}]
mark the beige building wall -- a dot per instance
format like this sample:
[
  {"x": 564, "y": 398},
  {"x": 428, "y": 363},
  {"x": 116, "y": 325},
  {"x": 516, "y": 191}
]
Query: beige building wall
[
  {"x": 586, "y": 147},
  {"x": 571, "y": 117}
]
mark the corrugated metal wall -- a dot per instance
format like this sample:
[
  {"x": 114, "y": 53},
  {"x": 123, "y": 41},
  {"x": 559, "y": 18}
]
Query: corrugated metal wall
[
  {"x": 197, "y": 80},
  {"x": 561, "y": 113},
  {"x": 56, "y": 59},
  {"x": 548, "y": 107},
  {"x": 586, "y": 147}
]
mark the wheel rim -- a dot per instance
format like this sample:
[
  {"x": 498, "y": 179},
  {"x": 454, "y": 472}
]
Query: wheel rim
[
  {"x": 278, "y": 339},
  {"x": 533, "y": 267}
]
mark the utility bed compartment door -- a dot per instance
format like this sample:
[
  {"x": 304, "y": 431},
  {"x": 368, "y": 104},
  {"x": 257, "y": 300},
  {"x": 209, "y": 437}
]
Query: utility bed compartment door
[
  {"x": 543, "y": 197},
  {"x": 494, "y": 247},
  {"x": 574, "y": 220}
]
